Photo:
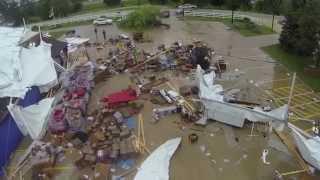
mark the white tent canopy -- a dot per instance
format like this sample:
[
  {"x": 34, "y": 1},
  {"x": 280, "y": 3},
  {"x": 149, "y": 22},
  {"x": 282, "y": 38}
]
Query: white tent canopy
[
  {"x": 233, "y": 114},
  {"x": 23, "y": 68},
  {"x": 9, "y": 57},
  {"x": 33, "y": 119},
  {"x": 156, "y": 166},
  {"x": 308, "y": 146}
]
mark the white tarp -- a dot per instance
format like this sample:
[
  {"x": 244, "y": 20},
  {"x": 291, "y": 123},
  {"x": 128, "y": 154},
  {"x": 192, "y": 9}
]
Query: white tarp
[
  {"x": 236, "y": 115},
  {"x": 23, "y": 68},
  {"x": 233, "y": 114},
  {"x": 156, "y": 166},
  {"x": 9, "y": 56},
  {"x": 308, "y": 148},
  {"x": 74, "y": 42},
  {"x": 33, "y": 119},
  {"x": 207, "y": 89},
  {"x": 38, "y": 67}
]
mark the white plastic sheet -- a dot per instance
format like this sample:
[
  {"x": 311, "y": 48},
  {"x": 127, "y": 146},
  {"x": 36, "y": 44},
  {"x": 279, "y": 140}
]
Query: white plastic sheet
[
  {"x": 156, "y": 166},
  {"x": 232, "y": 114},
  {"x": 33, "y": 119},
  {"x": 23, "y": 68},
  {"x": 207, "y": 89},
  {"x": 308, "y": 148},
  {"x": 74, "y": 42},
  {"x": 9, "y": 55}
]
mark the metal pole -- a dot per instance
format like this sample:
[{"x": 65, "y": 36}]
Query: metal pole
[{"x": 292, "y": 88}]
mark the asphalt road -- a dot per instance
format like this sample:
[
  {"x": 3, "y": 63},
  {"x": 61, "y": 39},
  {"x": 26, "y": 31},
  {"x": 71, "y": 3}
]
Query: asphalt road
[{"x": 262, "y": 19}]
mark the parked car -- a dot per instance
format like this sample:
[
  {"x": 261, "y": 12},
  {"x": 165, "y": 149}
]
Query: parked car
[
  {"x": 187, "y": 6},
  {"x": 102, "y": 20}
]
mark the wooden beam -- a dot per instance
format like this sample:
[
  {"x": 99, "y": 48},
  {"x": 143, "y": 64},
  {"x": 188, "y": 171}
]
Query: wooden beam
[{"x": 292, "y": 148}]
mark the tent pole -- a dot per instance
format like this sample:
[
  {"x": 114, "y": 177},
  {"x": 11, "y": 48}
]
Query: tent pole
[
  {"x": 40, "y": 34},
  {"x": 292, "y": 89},
  {"x": 24, "y": 24}
]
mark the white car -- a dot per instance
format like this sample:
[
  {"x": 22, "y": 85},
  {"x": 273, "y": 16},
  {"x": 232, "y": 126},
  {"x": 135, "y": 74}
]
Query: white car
[
  {"x": 187, "y": 6},
  {"x": 102, "y": 21}
]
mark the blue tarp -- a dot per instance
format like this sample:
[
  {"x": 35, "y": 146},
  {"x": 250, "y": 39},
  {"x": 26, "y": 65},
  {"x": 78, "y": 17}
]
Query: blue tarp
[
  {"x": 130, "y": 122},
  {"x": 10, "y": 135}
]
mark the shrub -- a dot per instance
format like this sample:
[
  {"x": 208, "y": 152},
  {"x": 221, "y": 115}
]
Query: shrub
[{"x": 142, "y": 18}]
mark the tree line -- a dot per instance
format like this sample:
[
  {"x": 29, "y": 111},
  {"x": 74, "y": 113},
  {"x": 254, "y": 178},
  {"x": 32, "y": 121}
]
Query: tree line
[
  {"x": 45, "y": 9},
  {"x": 13, "y": 11},
  {"x": 301, "y": 28}
]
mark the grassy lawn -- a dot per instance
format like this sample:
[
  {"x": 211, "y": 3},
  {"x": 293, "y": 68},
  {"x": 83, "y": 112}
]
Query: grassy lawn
[
  {"x": 66, "y": 25},
  {"x": 95, "y": 7},
  {"x": 238, "y": 25},
  {"x": 293, "y": 63},
  {"x": 57, "y": 34}
]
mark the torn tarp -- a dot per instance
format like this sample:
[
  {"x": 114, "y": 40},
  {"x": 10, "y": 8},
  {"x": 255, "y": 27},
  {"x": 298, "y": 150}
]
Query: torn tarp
[
  {"x": 33, "y": 119},
  {"x": 212, "y": 97},
  {"x": 22, "y": 68},
  {"x": 156, "y": 166},
  {"x": 308, "y": 147}
]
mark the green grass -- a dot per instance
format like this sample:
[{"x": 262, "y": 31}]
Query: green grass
[
  {"x": 66, "y": 25},
  {"x": 134, "y": 2},
  {"x": 238, "y": 25},
  {"x": 95, "y": 7},
  {"x": 294, "y": 63},
  {"x": 57, "y": 34}
]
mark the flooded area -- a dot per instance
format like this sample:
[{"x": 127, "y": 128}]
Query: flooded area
[
  {"x": 222, "y": 152},
  {"x": 251, "y": 70}
]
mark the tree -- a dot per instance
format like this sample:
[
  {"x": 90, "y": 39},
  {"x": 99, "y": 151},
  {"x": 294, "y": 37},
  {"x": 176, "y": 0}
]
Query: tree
[
  {"x": 44, "y": 7},
  {"x": 112, "y": 2},
  {"x": 11, "y": 12},
  {"x": 61, "y": 7},
  {"x": 217, "y": 2},
  {"x": 197, "y": 2},
  {"x": 142, "y": 18},
  {"x": 158, "y": 1},
  {"x": 301, "y": 26},
  {"x": 275, "y": 8},
  {"x": 233, "y": 5},
  {"x": 77, "y": 5}
]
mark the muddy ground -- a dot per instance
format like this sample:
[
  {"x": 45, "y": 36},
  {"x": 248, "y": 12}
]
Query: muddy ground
[
  {"x": 224, "y": 158},
  {"x": 249, "y": 67}
]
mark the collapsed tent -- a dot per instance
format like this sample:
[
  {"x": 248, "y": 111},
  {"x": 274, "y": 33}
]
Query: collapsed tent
[
  {"x": 74, "y": 42},
  {"x": 24, "y": 73},
  {"x": 33, "y": 119},
  {"x": 156, "y": 166},
  {"x": 307, "y": 146},
  {"x": 236, "y": 115},
  {"x": 22, "y": 68},
  {"x": 10, "y": 134},
  {"x": 233, "y": 114},
  {"x": 9, "y": 57}
]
